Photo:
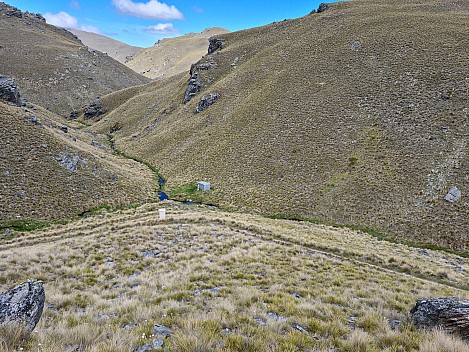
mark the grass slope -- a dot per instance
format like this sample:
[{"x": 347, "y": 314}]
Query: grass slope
[
  {"x": 226, "y": 282},
  {"x": 354, "y": 116},
  {"x": 53, "y": 68},
  {"x": 117, "y": 50},
  {"x": 46, "y": 173},
  {"x": 171, "y": 56}
]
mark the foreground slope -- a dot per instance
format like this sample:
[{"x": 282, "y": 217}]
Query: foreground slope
[
  {"x": 356, "y": 116},
  {"x": 117, "y": 50},
  {"x": 52, "y": 67},
  {"x": 171, "y": 56},
  {"x": 226, "y": 282},
  {"x": 51, "y": 171}
]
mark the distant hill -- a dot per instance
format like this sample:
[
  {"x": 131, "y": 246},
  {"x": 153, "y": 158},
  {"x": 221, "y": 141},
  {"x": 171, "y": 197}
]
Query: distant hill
[
  {"x": 52, "y": 67},
  {"x": 49, "y": 169},
  {"x": 355, "y": 116},
  {"x": 117, "y": 50},
  {"x": 174, "y": 55}
]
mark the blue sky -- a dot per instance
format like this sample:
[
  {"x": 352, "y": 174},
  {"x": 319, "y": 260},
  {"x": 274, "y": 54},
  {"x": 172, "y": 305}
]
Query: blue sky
[{"x": 143, "y": 22}]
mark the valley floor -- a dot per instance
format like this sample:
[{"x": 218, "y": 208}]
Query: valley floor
[{"x": 226, "y": 282}]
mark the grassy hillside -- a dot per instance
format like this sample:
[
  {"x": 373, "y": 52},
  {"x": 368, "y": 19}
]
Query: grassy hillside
[
  {"x": 225, "y": 282},
  {"x": 117, "y": 50},
  {"x": 171, "y": 56},
  {"x": 47, "y": 173},
  {"x": 52, "y": 67},
  {"x": 354, "y": 116}
]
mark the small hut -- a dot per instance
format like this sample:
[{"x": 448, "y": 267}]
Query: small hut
[{"x": 203, "y": 186}]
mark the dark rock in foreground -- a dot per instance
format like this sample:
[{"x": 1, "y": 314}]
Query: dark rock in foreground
[
  {"x": 449, "y": 314},
  {"x": 22, "y": 305},
  {"x": 9, "y": 91}
]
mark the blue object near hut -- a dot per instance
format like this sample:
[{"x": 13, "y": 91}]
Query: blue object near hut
[{"x": 203, "y": 186}]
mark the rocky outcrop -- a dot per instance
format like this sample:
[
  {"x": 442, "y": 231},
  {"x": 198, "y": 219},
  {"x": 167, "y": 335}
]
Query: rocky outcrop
[
  {"x": 9, "y": 91},
  {"x": 12, "y": 11},
  {"x": 449, "y": 314},
  {"x": 323, "y": 7},
  {"x": 22, "y": 305},
  {"x": 95, "y": 109},
  {"x": 193, "y": 87},
  {"x": 214, "y": 45},
  {"x": 205, "y": 102}
]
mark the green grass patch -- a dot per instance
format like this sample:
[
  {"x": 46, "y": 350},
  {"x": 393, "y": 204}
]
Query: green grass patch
[{"x": 23, "y": 225}]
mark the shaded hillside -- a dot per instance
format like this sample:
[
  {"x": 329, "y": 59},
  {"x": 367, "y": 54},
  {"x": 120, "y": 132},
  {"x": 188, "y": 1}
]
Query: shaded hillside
[
  {"x": 50, "y": 171},
  {"x": 52, "y": 67},
  {"x": 355, "y": 116},
  {"x": 117, "y": 50},
  {"x": 171, "y": 56},
  {"x": 206, "y": 280}
]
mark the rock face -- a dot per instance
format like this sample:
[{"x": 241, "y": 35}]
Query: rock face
[
  {"x": 214, "y": 45},
  {"x": 22, "y": 305},
  {"x": 323, "y": 7},
  {"x": 193, "y": 87},
  {"x": 9, "y": 91},
  {"x": 450, "y": 314},
  {"x": 10, "y": 11},
  {"x": 205, "y": 102},
  {"x": 94, "y": 110}
]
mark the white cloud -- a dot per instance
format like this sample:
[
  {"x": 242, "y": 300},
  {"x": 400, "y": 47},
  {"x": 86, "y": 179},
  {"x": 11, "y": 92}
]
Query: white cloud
[
  {"x": 61, "y": 19},
  {"x": 90, "y": 29},
  {"x": 65, "y": 20},
  {"x": 162, "y": 28},
  {"x": 153, "y": 9}
]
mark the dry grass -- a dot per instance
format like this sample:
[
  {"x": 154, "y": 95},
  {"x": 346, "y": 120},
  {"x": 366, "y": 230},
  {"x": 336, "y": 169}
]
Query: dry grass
[
  {"x": 223, "y": 282},
  {"x": 117, "y": 50},
  {"x": 172, "y": 56},
  {"x": 54, "y": 69},
  {"x": 307, "y": 127},
  {"x": 35, "y": 185}
]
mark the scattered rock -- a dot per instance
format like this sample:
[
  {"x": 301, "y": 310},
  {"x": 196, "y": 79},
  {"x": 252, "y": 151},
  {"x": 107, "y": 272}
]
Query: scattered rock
[
  {"x": 161, "y": 331},
  {"x": 352, "y": 322},
  {"x": 157, "y": 344},
  {"x": 150, "y": 253},
  {"x": 73, "y": 115},
  {"x": 296, "y": 295},
  {"x": 94, "y": 110},
  {"x": 144, "y": 348},
  {"x": 214, "y": 45},
  {"x": 128, "y": 326},
  {"x": 450, "y": 314},
  {"x": 9, "y": 91},
  {"x": 394, "y": 324},
  {"x": 69, "y": 161},
  {"x": 64, "y": 129},
  {"x": 260, "y": 321},
  {"x": 356, "y": 45},
  {"x": 22, "y": 305},
  {"x": 33, "y": 119},
  {"x": 205, "y": 102},
  {"x": 299, "y": 328},
  {"x": 453, "y": 195},
  {"x": 323, "y": 7},
  {"x": 193, "y": 87}
]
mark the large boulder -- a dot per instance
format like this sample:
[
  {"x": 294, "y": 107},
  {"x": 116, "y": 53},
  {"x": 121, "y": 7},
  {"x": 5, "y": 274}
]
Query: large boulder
[
  {"x": 449, "y": 314},
  {"x": 22, "y": 305},
  {"x": 9, "y": 91}
]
